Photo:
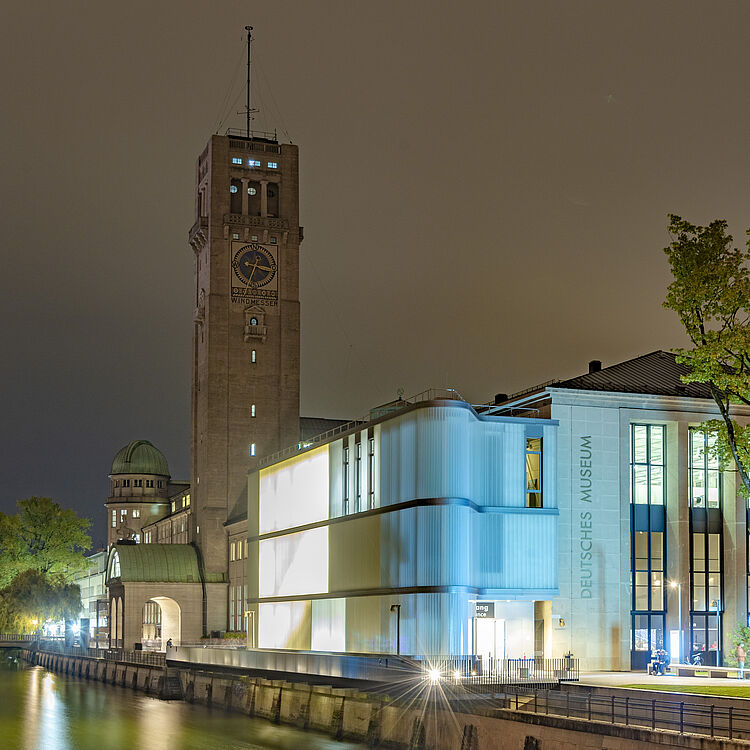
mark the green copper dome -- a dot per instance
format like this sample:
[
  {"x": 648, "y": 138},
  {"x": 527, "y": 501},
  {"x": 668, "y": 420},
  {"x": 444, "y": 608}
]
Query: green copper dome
[{"x": 140, "y": 457}]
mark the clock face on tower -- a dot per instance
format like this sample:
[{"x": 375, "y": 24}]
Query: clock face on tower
[{"x": 254, "y": 266}]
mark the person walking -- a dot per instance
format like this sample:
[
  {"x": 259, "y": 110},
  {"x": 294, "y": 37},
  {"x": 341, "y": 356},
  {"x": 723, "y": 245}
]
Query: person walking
[{"x": 740, "y": 661}]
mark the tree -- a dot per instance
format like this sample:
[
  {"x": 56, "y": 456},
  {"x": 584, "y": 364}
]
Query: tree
[
  {"x": 741, "y": 634},
  {"x": 31, "y": 598},
  {"x": 711, "y": 295},
  {"x": 44, "y": 537}
]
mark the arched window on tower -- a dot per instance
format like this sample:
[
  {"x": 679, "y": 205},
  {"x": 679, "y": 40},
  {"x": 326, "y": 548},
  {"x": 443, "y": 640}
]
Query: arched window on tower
[{"x": 235, "y": 197}]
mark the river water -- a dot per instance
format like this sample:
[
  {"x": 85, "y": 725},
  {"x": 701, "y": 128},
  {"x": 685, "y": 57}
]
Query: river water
[{"x": 41, "y": 710}]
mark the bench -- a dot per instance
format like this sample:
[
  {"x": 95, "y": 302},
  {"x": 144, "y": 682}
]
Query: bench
[{"x": 691, "y": 670}]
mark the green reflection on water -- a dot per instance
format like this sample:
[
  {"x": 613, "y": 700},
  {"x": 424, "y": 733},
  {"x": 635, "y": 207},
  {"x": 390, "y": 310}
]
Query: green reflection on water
[{"x": 40, "y": 710}]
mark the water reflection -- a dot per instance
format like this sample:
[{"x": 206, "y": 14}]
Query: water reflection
[{"x": 40, "y": 710}]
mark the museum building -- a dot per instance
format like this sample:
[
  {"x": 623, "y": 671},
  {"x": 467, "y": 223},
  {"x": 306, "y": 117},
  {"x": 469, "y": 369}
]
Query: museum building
[{"x": 586, "y": 515}]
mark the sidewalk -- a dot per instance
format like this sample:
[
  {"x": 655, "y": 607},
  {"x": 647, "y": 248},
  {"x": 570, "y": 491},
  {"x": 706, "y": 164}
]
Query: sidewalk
[{"x": 617, "y": 679}]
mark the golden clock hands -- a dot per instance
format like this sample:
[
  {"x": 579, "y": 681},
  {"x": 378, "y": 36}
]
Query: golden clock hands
[{"x": 252, "y": 271}]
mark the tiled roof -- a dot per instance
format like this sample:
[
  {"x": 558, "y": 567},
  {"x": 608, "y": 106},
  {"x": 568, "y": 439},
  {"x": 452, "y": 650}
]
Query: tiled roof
[{"x": 657, "y": 373}]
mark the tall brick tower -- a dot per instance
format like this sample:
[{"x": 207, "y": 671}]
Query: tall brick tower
[{"x": 245, "y": 381}]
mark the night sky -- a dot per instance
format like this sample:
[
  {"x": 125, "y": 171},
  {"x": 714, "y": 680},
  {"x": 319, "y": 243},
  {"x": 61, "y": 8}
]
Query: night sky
[{"x": 484, "y": 190}]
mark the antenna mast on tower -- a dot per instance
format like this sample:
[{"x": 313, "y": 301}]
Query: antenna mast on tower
[{"x": 247, "y": 107}]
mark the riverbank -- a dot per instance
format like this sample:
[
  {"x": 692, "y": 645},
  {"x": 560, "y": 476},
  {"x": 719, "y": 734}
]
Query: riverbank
[{"x": 410, "y": 716}]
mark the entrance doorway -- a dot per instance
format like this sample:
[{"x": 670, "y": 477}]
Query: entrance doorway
[
  {"x": 162, "y": 621},
  {"x": 490, "y": 640}
]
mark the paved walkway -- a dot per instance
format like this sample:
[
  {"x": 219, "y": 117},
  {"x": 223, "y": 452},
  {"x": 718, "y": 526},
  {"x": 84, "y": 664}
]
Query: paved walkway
[{"x": 616, "y": 679}]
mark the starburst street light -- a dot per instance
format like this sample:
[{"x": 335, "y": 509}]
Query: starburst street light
[{"x": 433, "y": 675}]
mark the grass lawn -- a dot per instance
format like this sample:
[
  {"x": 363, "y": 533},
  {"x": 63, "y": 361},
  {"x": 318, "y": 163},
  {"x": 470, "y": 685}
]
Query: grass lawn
[{"x": 734, "y": 691}]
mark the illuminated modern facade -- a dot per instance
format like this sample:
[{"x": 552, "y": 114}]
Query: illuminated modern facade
[
  {"x": 651, "y": 528},
  {"x": 420, "y": 521}
]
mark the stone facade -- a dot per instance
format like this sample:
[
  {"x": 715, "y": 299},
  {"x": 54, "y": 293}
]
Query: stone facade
[{"x": 245, "y": 382}]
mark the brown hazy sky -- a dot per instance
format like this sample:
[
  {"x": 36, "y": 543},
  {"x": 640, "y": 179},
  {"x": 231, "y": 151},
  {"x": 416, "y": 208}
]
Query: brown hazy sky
[{"x": 484, "y": 190}]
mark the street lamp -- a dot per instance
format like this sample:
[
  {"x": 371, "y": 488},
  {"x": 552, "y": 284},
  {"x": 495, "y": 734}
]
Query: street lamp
[
  {"x": 397, "y": 609},
  {"x": 677, "y": 585}
]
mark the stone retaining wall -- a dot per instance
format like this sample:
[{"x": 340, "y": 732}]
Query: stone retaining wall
[{"x": 376, "y": 720}]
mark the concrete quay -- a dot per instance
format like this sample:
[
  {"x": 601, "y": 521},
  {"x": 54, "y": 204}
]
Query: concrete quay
[{"x": 420, "y": 719}]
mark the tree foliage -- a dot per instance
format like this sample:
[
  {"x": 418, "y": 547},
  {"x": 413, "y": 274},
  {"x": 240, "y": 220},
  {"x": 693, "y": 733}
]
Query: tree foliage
[
  {"x": 43, "y": 537},
  {"x": 711, "y": 294},
  {"x": 741, "y": 634},
  {"x": 32, "y": 598}
]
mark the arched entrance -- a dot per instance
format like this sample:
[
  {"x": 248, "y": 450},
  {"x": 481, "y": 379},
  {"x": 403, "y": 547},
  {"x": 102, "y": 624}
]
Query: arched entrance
[{"x": 162, "y": 621}]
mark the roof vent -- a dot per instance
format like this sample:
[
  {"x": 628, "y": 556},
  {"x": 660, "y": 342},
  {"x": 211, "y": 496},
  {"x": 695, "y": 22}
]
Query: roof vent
[
  {"x": 595, "y": 365},
  {"x": 501, "y": 398}
]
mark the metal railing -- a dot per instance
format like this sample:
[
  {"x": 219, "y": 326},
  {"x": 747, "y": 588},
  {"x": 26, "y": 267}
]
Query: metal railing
[
  {"x": 431, "y": 394},
  {"x": 150, "y": 658},
  {"x": 21, "y": 637},
  {"x": 473, "y": 672},
  {"x": 682, "y": 717}
]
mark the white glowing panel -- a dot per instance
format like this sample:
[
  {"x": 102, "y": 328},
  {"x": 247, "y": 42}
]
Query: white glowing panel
[
  {"x": 280, "y": 623},
  {"x": 294, "y": 564},
  {"x": 294, "y": 492},
  {"x": 328, "y": 625}
]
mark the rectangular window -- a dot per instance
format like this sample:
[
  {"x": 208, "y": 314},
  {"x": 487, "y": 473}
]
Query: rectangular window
[
  {"x": 647, "y": 464},
  {"x": 371, "y": 473},
  {"x": 345, "y": 479},
  {"x": 232, "y": 553},
  {"x": 533, "y": 472},
  {"x": 253, "y": 357},
  {"x": 245, "y": 545},
  {"x": 117, "y": 482},
  {"x": 235, "y": 236},
  {"x": 136, "y": 513},
  {"x": 706, "y": 572},
  {"x": 273, "y": 165},
  {"x": 236, "y": 160},
  {"x": 252, "y": 449},
  {"x": 705, "y": 489},
  {"x": 160, "y": 483},
  {"x": 253, "y": 163},
  {"x": 174, "y": 505},
  {"x": 231, "y": 607},
  {"x": 126, "y": 483},
  {"x": 254, "y": 238},
  {"x": 648, "y": 632},
  {"x": 239, "y": 550},
  {"x": 273, "y": 240},
  {"x": 149, "y": 483},
  {"x": 358, "y": 477},
  {"x": 187, "y": 501},
  {"x": 648, "y": 571},
  {"x": 114, "y": 519},
  {"x": 252, "y": 410}
]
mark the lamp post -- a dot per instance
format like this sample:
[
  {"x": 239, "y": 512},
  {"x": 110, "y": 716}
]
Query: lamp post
[
  {"x": 677, "y": 585},
  {"x": 397, "y": 609}
]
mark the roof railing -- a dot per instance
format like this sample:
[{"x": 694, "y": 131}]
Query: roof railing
[{"x": 378, "y": 412}]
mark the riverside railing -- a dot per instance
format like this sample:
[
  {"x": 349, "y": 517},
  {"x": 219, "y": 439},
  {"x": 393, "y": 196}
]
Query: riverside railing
[
  {"x": 149, "y": 658},
  {"x": 472, "y": 670},
  {"x": 682, "y": 717}
]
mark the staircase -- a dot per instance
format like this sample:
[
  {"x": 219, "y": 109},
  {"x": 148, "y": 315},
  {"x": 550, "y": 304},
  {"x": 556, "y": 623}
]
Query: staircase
[{"x": 171, "y": 689}]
